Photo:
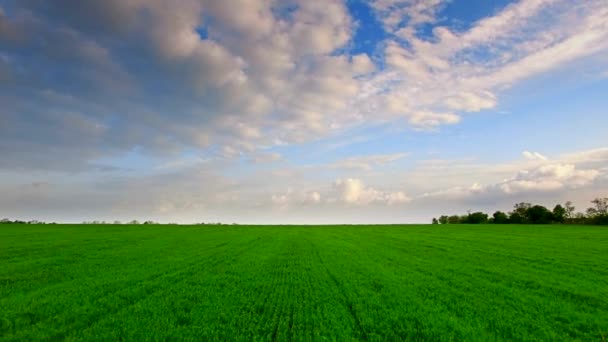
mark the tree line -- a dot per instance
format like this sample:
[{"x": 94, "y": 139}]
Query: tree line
[
  {"x": 7, "y": 221},
  {"x": 526, "y": 213},
  {"x": 132, "y": 222}
]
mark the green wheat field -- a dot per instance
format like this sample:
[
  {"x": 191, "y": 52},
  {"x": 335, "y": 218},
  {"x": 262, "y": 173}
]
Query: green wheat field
[{"x": 303, "y": 283}]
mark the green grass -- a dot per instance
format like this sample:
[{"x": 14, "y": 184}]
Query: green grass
[{"x": 377, "y": 283}]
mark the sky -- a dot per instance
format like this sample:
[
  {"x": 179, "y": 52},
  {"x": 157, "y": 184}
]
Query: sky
[{"x": 299, "y": 111}]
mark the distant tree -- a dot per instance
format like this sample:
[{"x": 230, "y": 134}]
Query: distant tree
[
  {"x": 601, "y": 206},
  {"x": 524, "y": 212},
  {"x": 559, "y": 214},
  {"x": 5, "y": 221},
  {"x": 578, "y": 218},
  {"x": 454, "y": 219},
  {"x": 515, "y": 217},
  {"x": 591, "y": 212},
  {"x": 599, "y": 213},
  {"x": 134, "y": 222},
  {"x": 520, "y": 212},
  {"x": 475, "y": 218},
  {"x": 500, "y": 218},
  {"x": 117, "y": 222},
  {"x": 539, "y": 215},
  {"x": 149, "y": 222},
  {"x": 569, "y": 210}
]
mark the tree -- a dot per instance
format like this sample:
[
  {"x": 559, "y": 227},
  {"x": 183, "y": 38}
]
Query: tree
[
  {"x": 443, "y": 219},
  {"x": 515, "y": 217},
  {"x": 134, "y": 222},
  {"x": 578, "y": 218},
  {"x": 476, "y": 218},
  {"x": 435, "y": 221},
  {"x": 454, "y": 219},
  {"x": 569, "y": 210},
  {"x": 500, "y": 218},
  {"x": 559, "y": 214},
  {"x": 599, "y": 213},
  {"x": 601, "y": 206},
  {"x": 539, "y": 215},
  {"x": 520, "y": 212}
]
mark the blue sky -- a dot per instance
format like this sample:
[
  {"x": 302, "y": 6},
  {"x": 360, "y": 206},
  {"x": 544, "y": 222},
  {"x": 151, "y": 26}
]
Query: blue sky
[{"x": 299, "y": 111}]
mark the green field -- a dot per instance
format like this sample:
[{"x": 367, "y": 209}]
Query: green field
[{"x": 376, "y": 283}]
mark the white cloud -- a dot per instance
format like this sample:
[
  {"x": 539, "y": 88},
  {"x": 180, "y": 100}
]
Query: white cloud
[
  {"x": 413, "y": 12},
  {"x": 274, "y": 71},
  {"x": 313, "y": 197},
  {"x": 533, "y": 155},
  {"x": 292, "y": 198},
  {"x": 367, "y": 162},
  {"x": 546, "y": 177},
  {"x": 433, "y": 81},
  {"x": 353, "y": 191},
  {"x": 549, "y": 177}
]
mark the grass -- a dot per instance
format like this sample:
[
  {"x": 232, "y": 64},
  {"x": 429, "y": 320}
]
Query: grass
[{"x": 376, "y": 283}]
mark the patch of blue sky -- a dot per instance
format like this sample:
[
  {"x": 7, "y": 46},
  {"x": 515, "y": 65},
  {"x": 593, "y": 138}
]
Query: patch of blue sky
[
  {"x": 550, "y": 126},
  {"x": 369, "y": 36},
  {"x": 131, "y": 161},
  {"x": 461, "y": 15},
  {"x": 369, "y": 33},
  {"x": 203, "y": 32},
  {"x": 360, "y": 142}
]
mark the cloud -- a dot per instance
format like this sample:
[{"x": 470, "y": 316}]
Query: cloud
[
  {"x": 549, "y": 177},
  {"x": 433, "y": 81},
  {"x": 367, "y": 162},
  {"x": 595, "y": 157},
  {"x": 343, "y": 192},
  {"x": 353, "y": 191},
  {"x": 251, "y": 71},
  {"x": 269, "y": 157},
  {"x": 190, "y": 93},
  {"x": 393, "y": 13},
  {"x": 533, "y": 155},
  {"x": 293, "y": 198},
  {"x": 163, "y": 77}
]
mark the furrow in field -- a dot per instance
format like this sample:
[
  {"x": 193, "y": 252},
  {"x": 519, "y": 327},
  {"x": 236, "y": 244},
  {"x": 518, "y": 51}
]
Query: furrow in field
[
  {"x": 346, "y": 302},
  {"x": 128, "y": 295},
  {"x": 168, "y": 288}
]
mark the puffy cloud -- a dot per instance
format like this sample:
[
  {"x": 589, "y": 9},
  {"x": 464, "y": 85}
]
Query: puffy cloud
[
  {"x": 349, "y": 192},
  {"x": 314, "y": 197},
  {"x": 171, "y": 76},
  {"x": 353, "y": 191},
  {"x": 293, "y": 198},
  {"x": 597, "y": 157},
  {"x": 471, "y": 102},
  {"x": 456, "y": 72},
  {"x": 163, "y": 77},
  {"x": 540, "y": 179},
  {"x": 549, "y": 177}
]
